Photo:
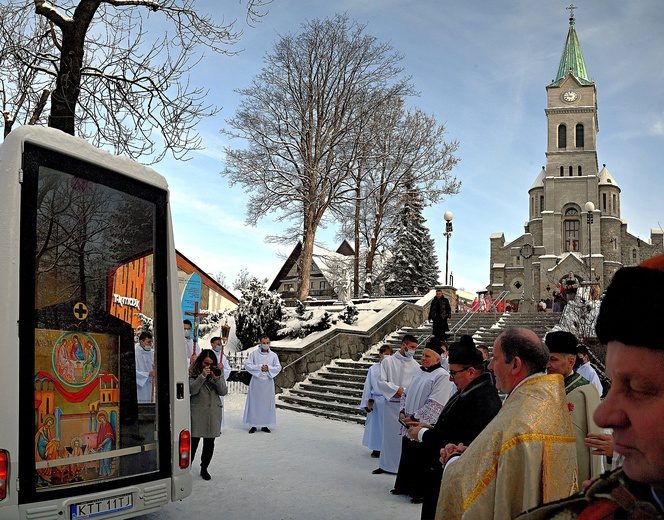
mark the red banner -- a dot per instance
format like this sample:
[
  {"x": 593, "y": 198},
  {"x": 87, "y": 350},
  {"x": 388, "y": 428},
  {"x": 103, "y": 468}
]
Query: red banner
[{"x": 79, "y": 395}]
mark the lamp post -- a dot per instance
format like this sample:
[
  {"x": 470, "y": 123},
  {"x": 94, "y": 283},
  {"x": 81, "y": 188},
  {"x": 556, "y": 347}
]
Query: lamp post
[
  {"x": 448, "y": 216},
  {"x": 590, "y": 207}
]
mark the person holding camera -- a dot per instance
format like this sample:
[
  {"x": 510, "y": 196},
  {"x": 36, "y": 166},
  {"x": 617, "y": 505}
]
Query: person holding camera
[{"x": 206, "y": 384}]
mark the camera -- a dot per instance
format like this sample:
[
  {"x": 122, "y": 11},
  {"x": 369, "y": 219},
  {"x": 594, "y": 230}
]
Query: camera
[{"x": 216, "y": 371}]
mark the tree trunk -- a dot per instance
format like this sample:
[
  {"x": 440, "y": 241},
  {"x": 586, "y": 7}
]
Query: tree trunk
[
  {"x": 68, "y": 82},
  {"x": 306, "y": 257},
  {"x": 356, "y": 259}
]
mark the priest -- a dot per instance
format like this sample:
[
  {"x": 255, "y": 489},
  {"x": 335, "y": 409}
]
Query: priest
[
  {"x": 582, "y": 399},
  {"x": 525, "y": 456},
  {"x": 421, "y": 402}
]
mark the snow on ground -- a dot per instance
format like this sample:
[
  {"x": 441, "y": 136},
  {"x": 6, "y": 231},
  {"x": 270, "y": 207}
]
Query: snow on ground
[{"x": 308, "y": 468}]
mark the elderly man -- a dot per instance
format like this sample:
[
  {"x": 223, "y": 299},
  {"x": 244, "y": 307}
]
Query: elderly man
[
  {"x": 465, "y": 415},
  {"x": 525, "y": 456},
  {"x": 396, "y": 371},
  {"x": 421, "y": 402},
  {"x": 582, "y": 399},
  {"x": 633, "y": 407}
]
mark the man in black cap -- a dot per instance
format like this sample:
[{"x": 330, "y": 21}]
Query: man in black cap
[
  {"x": 465, "y": 415},
  {"x": 582, "y": 397},
  {"x": 633, "y": 407},
  {"x": 421, "y": 403}
]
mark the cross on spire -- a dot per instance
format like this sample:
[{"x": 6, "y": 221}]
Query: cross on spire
[{"x": 571, "y": 12}]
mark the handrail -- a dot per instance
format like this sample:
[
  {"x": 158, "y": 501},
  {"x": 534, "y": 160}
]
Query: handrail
[{"x": 469, "y": 315}]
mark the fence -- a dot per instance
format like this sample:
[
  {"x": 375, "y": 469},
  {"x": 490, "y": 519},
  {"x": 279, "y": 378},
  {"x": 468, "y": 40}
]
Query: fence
[{"x": 236, "y": 360}]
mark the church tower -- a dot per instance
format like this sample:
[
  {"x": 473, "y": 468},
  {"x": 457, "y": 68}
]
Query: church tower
[{"x": 574, "y": 221}]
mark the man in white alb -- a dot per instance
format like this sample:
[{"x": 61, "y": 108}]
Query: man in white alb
[
  {"x": 396, "y": 371},
  {"x": 144, "y": 356},
  {"x": 264, "y": 366}
]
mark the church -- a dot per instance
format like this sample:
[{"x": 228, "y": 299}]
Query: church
[{"x": 574, "y": 218}]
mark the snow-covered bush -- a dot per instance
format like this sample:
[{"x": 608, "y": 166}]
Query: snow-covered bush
[
  {"x": 349, "y": 314},
  {"x": 296, "y": 325},
  {"x": 258, "y": 313}
]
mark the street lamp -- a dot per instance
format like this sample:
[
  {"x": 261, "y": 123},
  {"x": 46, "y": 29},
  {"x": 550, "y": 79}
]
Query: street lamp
[
  {"x": 590, "y": 207},
  {"x": 448, "y": 216}
]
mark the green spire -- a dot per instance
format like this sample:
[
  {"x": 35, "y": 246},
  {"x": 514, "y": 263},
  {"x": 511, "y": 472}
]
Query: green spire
[{"x": 572, "y": 59}]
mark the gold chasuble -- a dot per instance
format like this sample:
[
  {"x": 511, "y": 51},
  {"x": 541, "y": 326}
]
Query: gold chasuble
[{"x": 525, "y": 457}]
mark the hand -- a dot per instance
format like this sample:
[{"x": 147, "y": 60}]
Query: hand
[
  {"x": 264, "y": 368},
  {"x": 599, "y": 444},
  {"x": 450, "y": 450},
  {"x": 399, "y": 392},
  {"x": 192, "y": 358},
  {"x": 413, "y": 431},
  {"x": 205, "y": 372}
]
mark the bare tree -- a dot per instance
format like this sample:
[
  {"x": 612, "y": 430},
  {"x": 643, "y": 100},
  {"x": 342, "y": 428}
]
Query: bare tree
[
  {"x": 106, "y": 79},
  {"x": 408, "y": 151},
  {"x": 299, "y": 116}
]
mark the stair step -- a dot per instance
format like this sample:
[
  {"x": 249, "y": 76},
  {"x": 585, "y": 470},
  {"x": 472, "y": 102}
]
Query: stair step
[
  {"x": 335, "y": 390},
  {"x": 328, "y": 414}
]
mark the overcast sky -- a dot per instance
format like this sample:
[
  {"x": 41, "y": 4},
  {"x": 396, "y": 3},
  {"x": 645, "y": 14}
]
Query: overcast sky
[{"x": 481, "y": 69}]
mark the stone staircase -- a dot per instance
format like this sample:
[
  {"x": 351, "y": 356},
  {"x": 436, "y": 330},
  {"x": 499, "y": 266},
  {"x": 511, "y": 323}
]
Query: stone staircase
[{"x": 335, "y": 390}]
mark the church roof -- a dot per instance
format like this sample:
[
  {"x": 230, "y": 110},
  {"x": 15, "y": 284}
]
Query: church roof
[
  {"x": 571, "y": 61},
  {"x": 539, "y": 181},
  {"x": 605, "y": 178}
]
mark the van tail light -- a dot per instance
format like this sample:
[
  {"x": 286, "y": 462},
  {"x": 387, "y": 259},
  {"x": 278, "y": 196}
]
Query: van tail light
[
  {"x": 4, "y": 473},
  {"x": 185, "y": 449}
]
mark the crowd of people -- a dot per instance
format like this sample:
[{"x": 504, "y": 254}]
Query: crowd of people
[
  {"x": 209, "y": 370},
  {"x": 525, "y": 433}
]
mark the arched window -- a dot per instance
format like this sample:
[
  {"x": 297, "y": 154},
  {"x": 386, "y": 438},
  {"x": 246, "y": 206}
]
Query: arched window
[
  {"x": 562, "y": 171},
  {"x": 571, "y": 170},
  {"x": 562, "y": 136},
  {"x": 579, "y": 171},
  {"x": 579, "y": 136},
  {"x": 571, "y": 230}
]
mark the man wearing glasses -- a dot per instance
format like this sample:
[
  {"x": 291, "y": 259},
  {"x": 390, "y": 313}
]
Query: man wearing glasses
[
  {"x": 463, "y": 418},
  {"x": 526, "y": 455}
]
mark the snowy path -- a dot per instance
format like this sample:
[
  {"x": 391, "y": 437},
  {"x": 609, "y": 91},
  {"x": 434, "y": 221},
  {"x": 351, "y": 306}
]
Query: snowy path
[{"x": 308, "y": 468}]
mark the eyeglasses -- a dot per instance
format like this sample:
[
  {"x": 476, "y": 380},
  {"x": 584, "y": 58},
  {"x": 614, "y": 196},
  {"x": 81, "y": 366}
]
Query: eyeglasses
[{"x": 455, "y": 372}]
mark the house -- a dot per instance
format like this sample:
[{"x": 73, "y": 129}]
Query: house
[{"x": 331, "y": 273}]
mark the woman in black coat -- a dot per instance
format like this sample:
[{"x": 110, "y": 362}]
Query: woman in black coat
[{"x": 206, "y": 384}]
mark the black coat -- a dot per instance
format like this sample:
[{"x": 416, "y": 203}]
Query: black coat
[
  {"x": 440, "y": 308},
  {"x": 464, "y": 417}
]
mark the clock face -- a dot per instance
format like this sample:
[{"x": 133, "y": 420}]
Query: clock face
[{"x": 570, "y": 96}]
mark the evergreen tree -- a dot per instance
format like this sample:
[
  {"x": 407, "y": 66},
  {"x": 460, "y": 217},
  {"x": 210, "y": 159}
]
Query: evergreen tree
[
  {"x": 414, "y": 261},
  {"x": 258, "y": 313}
]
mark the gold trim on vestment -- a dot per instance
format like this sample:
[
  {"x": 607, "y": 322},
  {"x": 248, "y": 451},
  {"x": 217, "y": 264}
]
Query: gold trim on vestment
[{"x": 488, "y": 477}]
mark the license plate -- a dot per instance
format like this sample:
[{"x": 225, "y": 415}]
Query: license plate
[{"x": 104, "y": 506}]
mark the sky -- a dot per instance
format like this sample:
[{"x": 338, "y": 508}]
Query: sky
[{"x": 481, "y": 69}]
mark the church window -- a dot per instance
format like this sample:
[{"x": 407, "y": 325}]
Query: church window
[
  {"x": 578, "y": 171},
  {"x": 579, "y": 136},
  {"x": 562, "y": 171},
  {"x": 571, "y": 170},
  {"x": 615, "y": 204},
  {"x": 562, "y": 136},
  {"x": 541, "y": 203},
  {"x": 571, "y": 224},
  {"x": 634, "y": 256},
  {"x": 603, "y": 201}
]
